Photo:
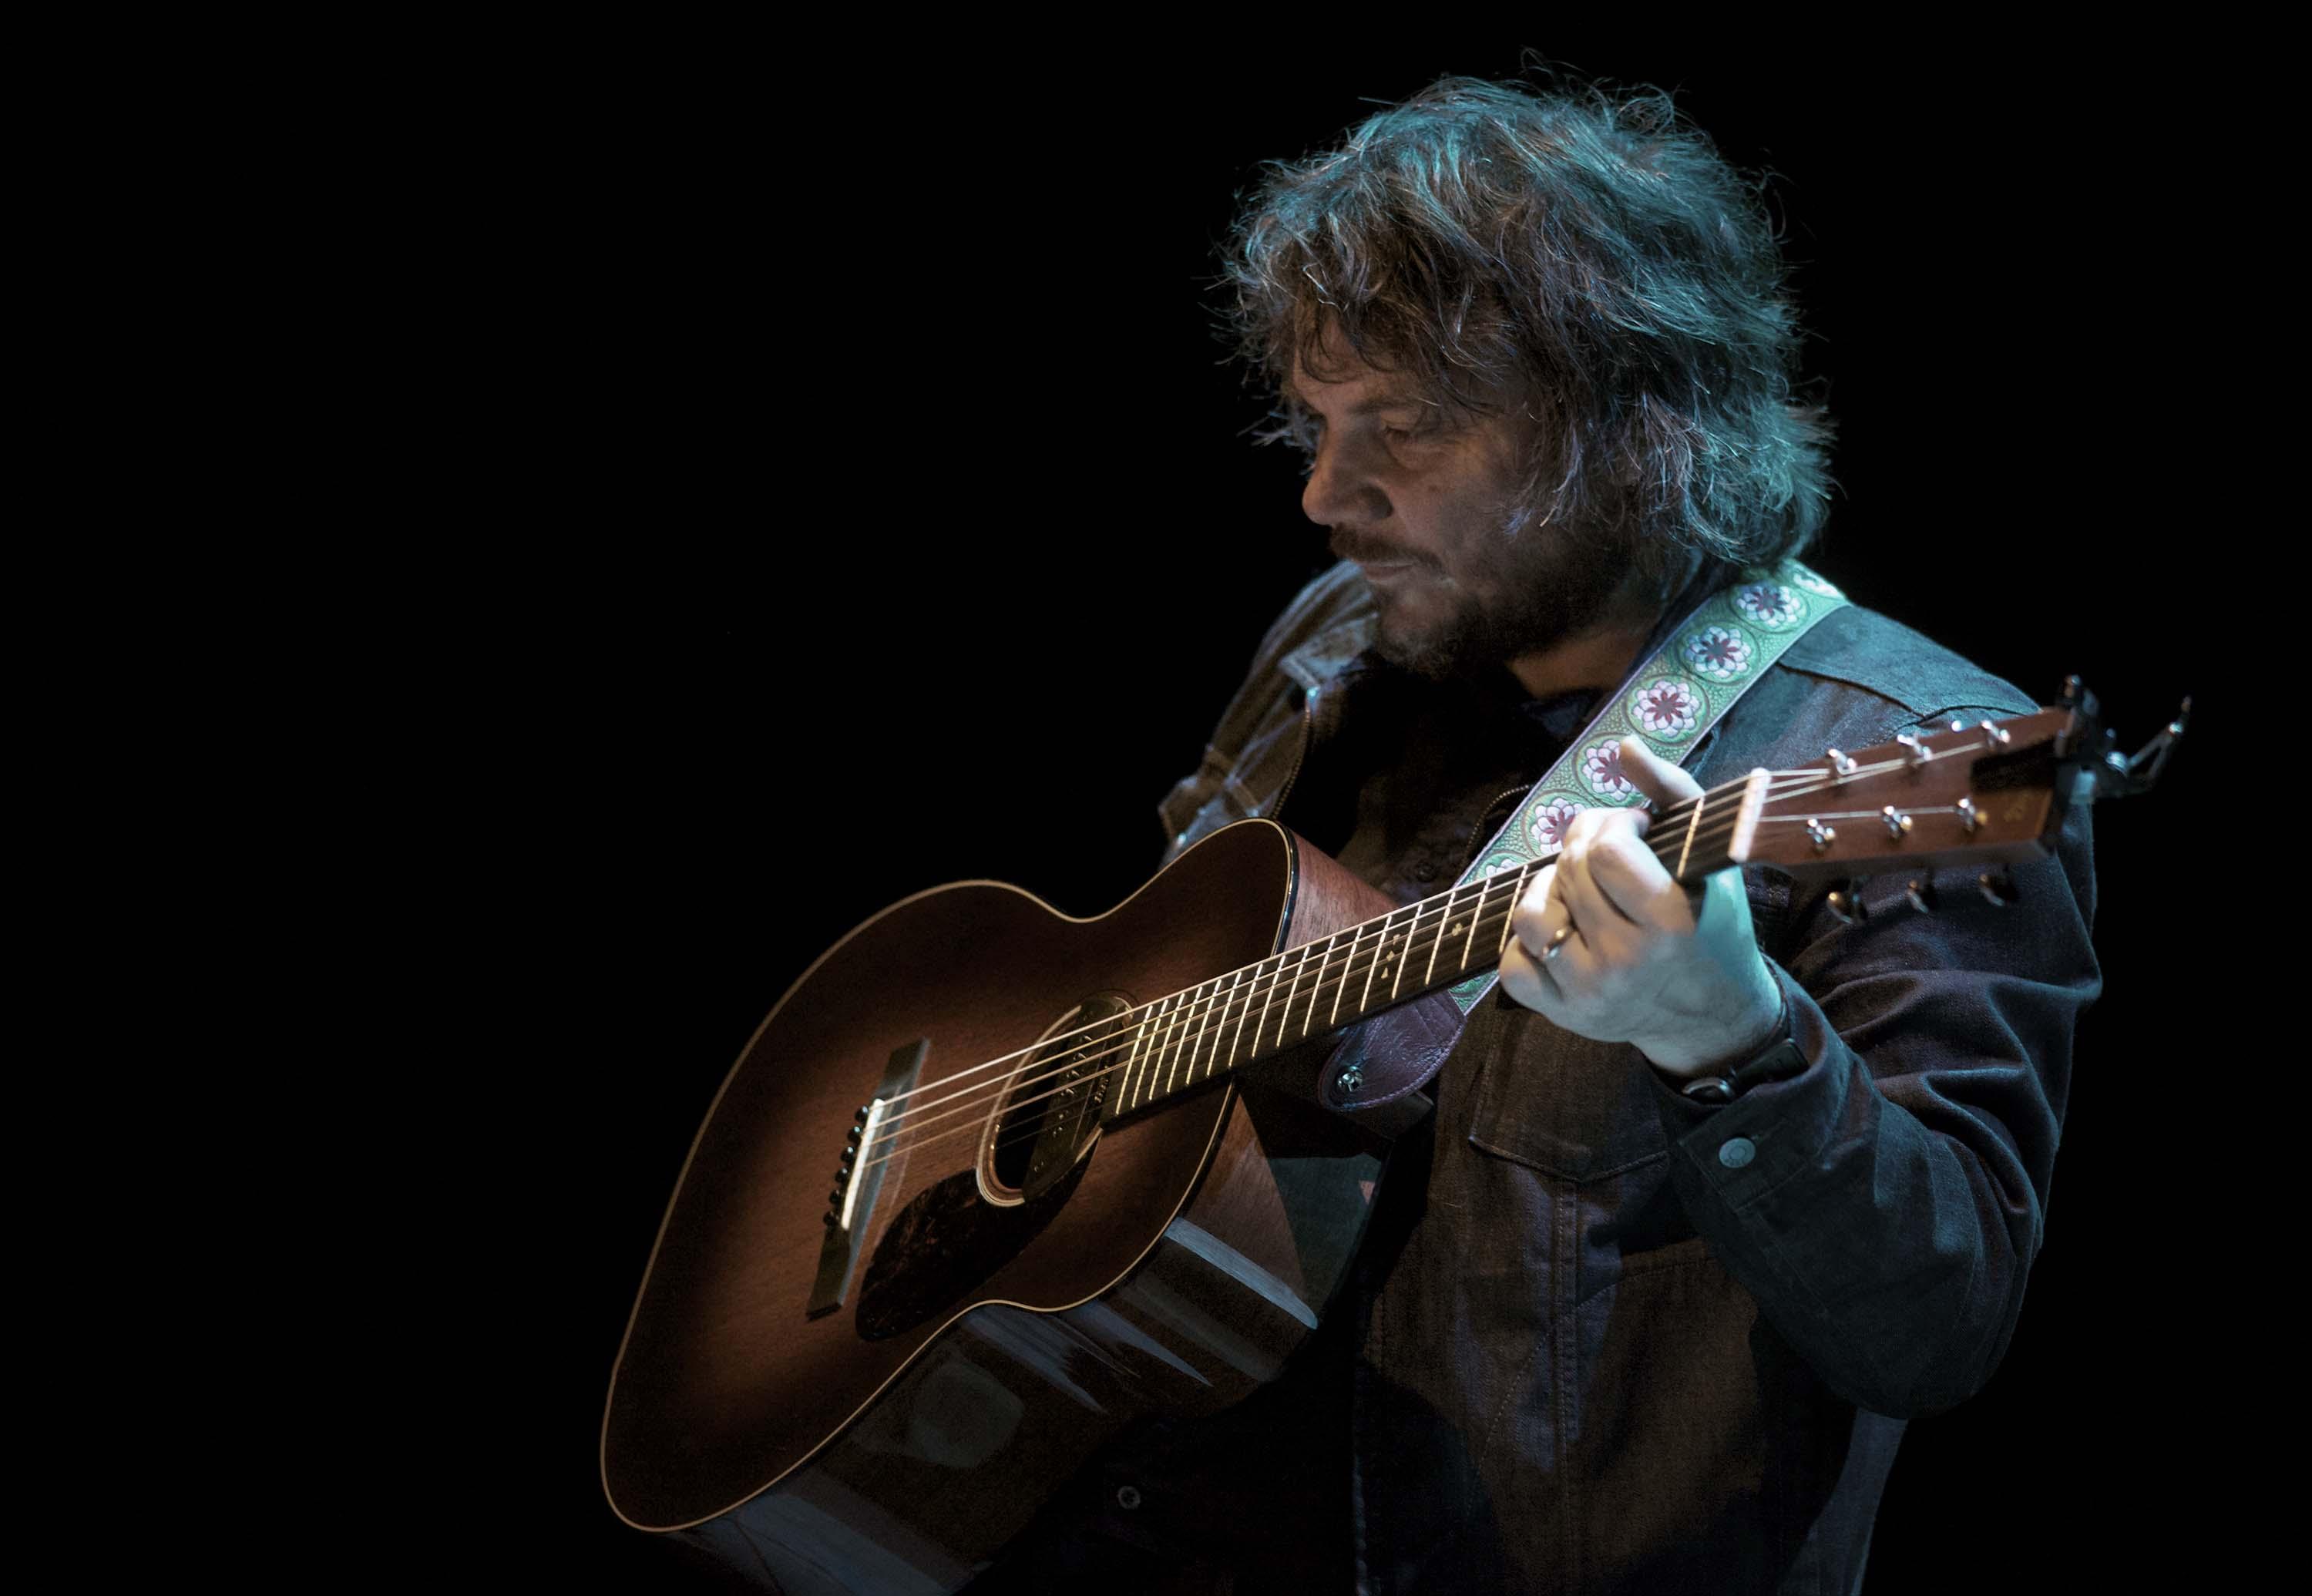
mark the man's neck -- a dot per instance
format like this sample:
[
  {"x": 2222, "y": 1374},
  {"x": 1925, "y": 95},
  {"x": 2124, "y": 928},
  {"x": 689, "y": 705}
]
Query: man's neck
[{"x": 1595, "y": 662}]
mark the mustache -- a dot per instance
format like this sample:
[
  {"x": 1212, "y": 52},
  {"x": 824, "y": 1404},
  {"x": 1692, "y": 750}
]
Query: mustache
[{"x": 1355, "y": 545}]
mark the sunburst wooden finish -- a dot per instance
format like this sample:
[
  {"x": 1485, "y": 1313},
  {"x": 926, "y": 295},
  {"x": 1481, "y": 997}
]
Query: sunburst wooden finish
[{"x": 1191, "y": 1256}]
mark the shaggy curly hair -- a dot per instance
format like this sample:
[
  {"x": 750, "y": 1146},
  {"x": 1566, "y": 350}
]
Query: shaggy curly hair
[{"x": 1586, "y": 260}]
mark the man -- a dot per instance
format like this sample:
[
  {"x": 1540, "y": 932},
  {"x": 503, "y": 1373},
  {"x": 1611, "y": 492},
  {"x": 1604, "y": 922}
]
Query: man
[{"x": 1720, "y": 1189}]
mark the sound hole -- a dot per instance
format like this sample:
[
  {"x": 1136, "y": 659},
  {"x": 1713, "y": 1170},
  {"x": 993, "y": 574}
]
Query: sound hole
[{"x": 1050, "y": 1113}]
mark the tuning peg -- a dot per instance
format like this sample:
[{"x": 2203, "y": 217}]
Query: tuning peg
[
  {"x": 1922, "y": 894},
  {"x": 1843, "y": 763},
  {"x": 1845, "y": 900},
  {"x": 1997, "y": 886}
]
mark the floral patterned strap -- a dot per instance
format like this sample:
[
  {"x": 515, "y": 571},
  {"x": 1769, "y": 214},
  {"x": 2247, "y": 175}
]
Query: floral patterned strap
[{"x": 1670, "y": 701}]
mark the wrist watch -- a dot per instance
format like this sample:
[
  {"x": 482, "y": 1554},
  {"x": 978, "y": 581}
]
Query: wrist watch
[{"x": 1778, "y": 1060}]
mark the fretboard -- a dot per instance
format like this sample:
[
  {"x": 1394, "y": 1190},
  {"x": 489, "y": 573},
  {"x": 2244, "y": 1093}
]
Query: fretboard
[{"x": 1184, "y": 1039}]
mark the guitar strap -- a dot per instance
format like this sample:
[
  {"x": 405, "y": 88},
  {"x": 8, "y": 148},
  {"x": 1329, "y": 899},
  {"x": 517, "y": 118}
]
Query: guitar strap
[{"x": 1671, "y": 701}]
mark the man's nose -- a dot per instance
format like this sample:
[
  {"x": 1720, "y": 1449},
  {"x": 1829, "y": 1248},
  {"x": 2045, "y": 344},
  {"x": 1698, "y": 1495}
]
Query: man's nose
[{"x": 1338, "y": 491}]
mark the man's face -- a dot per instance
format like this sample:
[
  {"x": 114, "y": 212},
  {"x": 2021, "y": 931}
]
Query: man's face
[{"x": 1425, "y": 506}]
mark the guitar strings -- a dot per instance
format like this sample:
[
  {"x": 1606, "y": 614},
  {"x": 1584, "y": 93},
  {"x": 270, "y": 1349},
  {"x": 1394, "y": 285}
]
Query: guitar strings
[
  {"x": 1214, "y": 1022},
  {"x": 1180, "y": 1044},
  {"x": 922, "y": 1141},
  {"x": 1782, "y": 783},
  {"x": 1234, "y": 1002},
  {"x": 1664, "y": 838},
  {"x": 1183, "y": 1032},
  {"x": 1676, "y": 809},
  {"x": 1443, "y": 903}
]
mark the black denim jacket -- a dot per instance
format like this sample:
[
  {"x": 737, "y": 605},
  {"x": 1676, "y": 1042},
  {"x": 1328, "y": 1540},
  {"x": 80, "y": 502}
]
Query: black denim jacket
[{"x": 1607, "y": 1339}]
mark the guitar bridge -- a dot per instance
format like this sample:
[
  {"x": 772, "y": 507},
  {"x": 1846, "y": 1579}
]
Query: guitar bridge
[{"x": 852, "y": 1204}]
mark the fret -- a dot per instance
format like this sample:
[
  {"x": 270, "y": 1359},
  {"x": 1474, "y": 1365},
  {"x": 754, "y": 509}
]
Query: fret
[
  {"x": 1213, "y": 1062},
  {"x": 1686, "y": 851},
  {"x": 1347, "y": 968},
  {"x": 1150, "y": 1029},
  {"x": 1444, "y": 924},
  {"x": 1372, "y": 965},
  {"x": 1215, "y": 1022},
  {"x": 1239, "y": 999},
  {"x": 1131, "y": 1062},
  {"x": 1173, "y": 1038},
  {"x": 1247, "y": 1014},
  {"x": 1298, "y": 972},
  {"x": 1152, "y": 1066},
  {"x": 1485, "y": 885},
  {"x": 1380, "y": 954},
  {"x": 1205, "y": 1027},
  {"x": 1260, "y": 1024}
]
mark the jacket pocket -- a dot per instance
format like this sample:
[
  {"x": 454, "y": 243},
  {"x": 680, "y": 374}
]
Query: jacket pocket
[{"x": 1554, "y": 1101}]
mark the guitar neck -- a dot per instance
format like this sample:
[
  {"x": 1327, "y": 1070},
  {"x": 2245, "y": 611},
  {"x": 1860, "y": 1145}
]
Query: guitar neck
[
  {"x": 1311, "y": 991},
  {"x": 1990, "y": 792}
]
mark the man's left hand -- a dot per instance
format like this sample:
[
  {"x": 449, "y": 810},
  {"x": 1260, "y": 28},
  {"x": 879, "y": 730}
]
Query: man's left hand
[{"x": 1674, "y": 970}]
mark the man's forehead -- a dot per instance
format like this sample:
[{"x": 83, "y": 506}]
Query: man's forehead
[{"x": 1351, "y": 386}]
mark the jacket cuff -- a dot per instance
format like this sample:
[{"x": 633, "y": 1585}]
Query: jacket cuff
[{"x": 1748, "y": 1148}]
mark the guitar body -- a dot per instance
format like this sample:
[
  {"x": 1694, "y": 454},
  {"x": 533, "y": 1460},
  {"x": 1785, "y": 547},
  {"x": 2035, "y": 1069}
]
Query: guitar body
[{"x": 981, "y": 1350}]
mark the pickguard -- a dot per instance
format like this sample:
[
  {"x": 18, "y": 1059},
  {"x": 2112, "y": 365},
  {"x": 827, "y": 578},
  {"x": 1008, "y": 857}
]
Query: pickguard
[{"x": 943, "y": 1243}]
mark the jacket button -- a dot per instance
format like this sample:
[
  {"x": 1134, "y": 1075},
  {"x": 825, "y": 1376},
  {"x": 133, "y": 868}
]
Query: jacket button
[
  {"x": 1127, "y": 1498},
  {"x": 1736, "y": 1151},
  {"x": 1425, "y": 872}
]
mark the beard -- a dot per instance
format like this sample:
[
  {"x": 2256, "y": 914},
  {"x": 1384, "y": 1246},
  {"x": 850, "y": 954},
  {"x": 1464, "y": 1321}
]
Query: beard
[{"x": 1536, "y": 589}]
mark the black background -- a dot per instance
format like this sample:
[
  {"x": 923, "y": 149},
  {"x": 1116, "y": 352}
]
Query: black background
[{"x": 892, "y": 524}]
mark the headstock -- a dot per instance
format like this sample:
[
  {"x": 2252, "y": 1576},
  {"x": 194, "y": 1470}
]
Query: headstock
[{"x": 1989, "y": 793}]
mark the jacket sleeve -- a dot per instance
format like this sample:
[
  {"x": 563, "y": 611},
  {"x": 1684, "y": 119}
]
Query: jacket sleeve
[{"x": 1885, "y": 1205}]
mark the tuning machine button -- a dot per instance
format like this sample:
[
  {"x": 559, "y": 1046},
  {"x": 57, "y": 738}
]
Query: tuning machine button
[
  {"x": 1841, "y": 762},
  {"x": 1922, "y": 894},
  {"x": 1969, "y": 817},
  {"x": 1897, "y": 822},
  {"x": 1997, "y": 886},
  {"x": 1845, "y": 900},
  {"x": 1920, "y": 752},
  {"x": 1820, "y": 835}
]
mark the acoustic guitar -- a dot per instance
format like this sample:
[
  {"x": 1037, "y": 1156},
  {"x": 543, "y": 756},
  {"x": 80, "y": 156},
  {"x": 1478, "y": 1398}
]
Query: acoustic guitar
[{"x": 990, "y": 1181}]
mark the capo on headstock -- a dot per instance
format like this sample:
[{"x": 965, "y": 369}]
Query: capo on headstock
[{"x": 2113, "y": 774}]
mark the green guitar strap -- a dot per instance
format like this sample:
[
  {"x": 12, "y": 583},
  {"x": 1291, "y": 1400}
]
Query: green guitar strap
[{"x": 1670, "y": 701}]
